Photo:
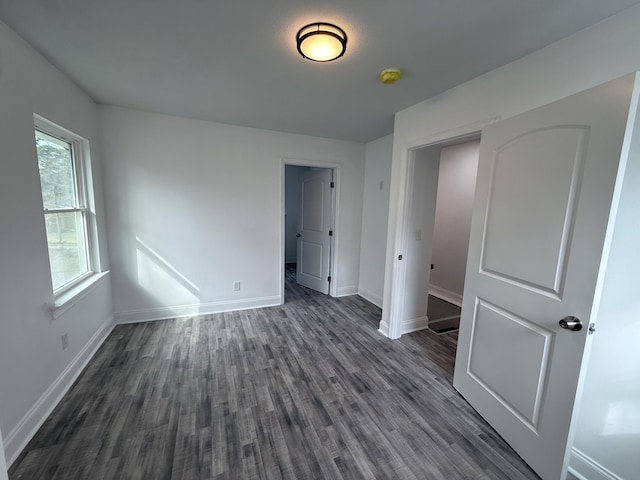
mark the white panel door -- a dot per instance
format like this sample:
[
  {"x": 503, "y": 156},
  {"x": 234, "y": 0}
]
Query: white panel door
[
  {"x": 544, "y": 193},
  {"x": 314, "y": 225}
]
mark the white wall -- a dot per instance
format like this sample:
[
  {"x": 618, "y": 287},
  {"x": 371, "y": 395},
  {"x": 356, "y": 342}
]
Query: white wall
[
  {"x": 602, "y": 52},
  {"x": 291, "y": 202},
  {"x": 454, "y": 205},
  {"x": 33, "y": 367},
  {"x": 375, "y": 213},
  {"x": 194, "y": 206}
]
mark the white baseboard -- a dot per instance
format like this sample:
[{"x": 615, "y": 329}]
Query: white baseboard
[
  {"x": 370, "y": 296},
  {"x": 408, "y": 326},
  {"x": 27, "y": 427},
  {"x": 384, "y": 329},
  {"x": 414, "y": 324},
  {"x": 346, "y": 291},
  {"x": 586, "y": 468},
  {"x": 446, "y": 295},
  {"x": 150, "y": 314}
]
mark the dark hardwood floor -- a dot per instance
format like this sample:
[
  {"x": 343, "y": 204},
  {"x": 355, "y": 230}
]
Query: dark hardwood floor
[{"x": 307, "y": 390}]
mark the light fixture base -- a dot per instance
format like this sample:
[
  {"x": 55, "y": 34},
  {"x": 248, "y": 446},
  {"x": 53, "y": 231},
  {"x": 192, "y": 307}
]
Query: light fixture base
[{"x": 390, "y": 76}]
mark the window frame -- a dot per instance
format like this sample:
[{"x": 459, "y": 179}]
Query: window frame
[{"x": 80, "y": 158}]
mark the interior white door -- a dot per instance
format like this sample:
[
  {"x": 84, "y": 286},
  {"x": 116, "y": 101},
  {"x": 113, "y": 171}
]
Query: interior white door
[
  {"x": 544, "y": 193},
  {"x": 314, "y": 229}
]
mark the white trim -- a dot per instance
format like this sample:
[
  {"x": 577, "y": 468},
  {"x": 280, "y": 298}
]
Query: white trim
[
  {"x": 69, "y": 298},
  {"x": 81, "y": 161},
  {"x": 283, "y": 231},
  {"x": 370, "y": 296},
  {"x": 401, "y": 185},
  {"x": 28, "y": 425},
  {"x": 398, "y": 272},
  {"x": 346, "y": 291},
  {"x": 177, "y": 311},
  {"x": 446, "y": 295},
  {"x": 586, "y": 468},
  {"x": 414, "y": 324},
  {"x": 452, "y": 136},
  {"x": 384, "y": 329},
  {"x": 64, "y": 210}
]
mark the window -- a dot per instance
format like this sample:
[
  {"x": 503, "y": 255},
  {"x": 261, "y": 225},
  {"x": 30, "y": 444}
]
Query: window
[{"x": 64, "y": 198}]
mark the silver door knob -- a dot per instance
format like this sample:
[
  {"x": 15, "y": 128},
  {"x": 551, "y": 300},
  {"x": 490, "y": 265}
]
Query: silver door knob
[{"x": 571, "y": 323}]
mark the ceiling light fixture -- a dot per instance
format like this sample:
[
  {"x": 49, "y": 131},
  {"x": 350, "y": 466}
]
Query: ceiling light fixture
[{"x": 321, "y": 42}]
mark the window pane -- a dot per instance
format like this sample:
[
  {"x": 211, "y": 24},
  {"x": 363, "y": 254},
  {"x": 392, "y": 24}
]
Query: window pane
[
  {"x": 56, "y": 172},
  {"x": 67, "y": 252}
]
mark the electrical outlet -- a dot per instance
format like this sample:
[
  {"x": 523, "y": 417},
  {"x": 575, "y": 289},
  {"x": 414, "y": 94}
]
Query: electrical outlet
[
  {"x": 236, "y": 286},
  {"x": 65, "y": 341}
]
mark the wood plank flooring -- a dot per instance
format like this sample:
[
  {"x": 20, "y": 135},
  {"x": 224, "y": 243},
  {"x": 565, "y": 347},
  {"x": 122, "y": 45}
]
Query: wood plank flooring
[{"x": 307, "y": 390}]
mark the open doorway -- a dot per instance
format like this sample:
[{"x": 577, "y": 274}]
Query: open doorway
[
  {"x": 309, "y": 206},
  {"x": 440, "y": 194},
  {"x": 458, "y": 167}
]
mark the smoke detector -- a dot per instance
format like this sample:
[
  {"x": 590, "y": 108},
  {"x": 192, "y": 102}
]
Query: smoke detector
[{"x": 390, "y": 76}]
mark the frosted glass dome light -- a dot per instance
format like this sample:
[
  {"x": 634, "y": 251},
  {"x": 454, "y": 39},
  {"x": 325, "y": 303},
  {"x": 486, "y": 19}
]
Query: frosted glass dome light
[{"x": 321, "y": 42}]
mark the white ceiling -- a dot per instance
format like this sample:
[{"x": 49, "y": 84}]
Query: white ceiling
[{"x": 235, "y": 61}]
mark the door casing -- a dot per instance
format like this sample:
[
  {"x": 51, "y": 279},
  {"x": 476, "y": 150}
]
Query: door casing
[
  {"x": 335, "y": 251},
  {"x": 399, "y": 227}
]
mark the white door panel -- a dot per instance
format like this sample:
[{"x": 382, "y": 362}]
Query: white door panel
[
  {"x": 517, "y": 206},
  {"x": 543, "y": 199},
  {"x": 312, "y": 206},
  {"x": 524, "y": 354},
  {"x": 314, "y": 224},
  {"x": 311, "y": 259}
]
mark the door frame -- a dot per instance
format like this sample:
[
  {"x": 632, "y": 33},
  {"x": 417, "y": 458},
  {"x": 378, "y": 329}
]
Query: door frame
[
  {"x": 399, "y": 218},
  {"x": 335, "y": 198}
]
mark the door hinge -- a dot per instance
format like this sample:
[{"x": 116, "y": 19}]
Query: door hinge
[
  {"x": 333, "y": 185},
  {"x": 592, "y": 328},
  {"x": 329, "y": 279},
  {"x": 331, "y": 233}
]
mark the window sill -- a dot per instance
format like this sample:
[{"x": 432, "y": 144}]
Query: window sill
[{"x": 69, "y": 298}]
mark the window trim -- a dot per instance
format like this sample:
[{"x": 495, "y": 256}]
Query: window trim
[{"x": 80, "y": 155}]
